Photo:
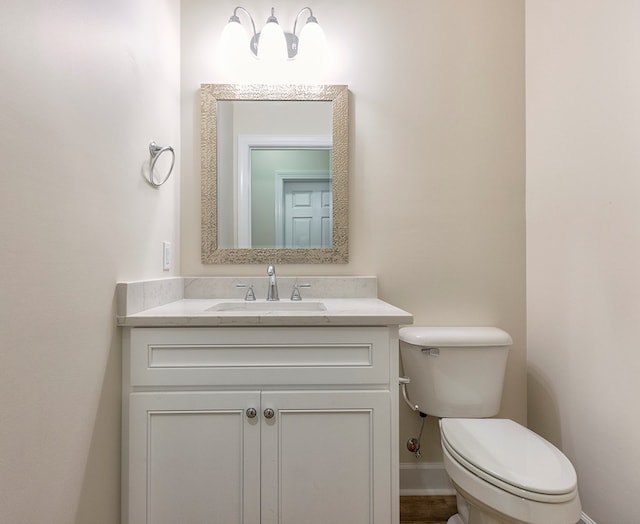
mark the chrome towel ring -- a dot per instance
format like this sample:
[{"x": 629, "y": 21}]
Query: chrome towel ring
[{"x": 155, "y": 151}]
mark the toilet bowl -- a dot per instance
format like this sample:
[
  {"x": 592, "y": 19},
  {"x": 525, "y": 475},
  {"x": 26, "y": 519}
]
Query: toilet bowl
[
  {"x": 506, "y": 473},
  {"x": 502, "y": 472}
]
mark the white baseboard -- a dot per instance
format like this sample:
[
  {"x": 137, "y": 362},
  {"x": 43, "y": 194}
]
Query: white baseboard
[
  {"x": 585, "y": 519},
  {"x": 425, "y": 478}
]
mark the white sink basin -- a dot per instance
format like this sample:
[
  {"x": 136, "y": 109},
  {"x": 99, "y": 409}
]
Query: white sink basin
[{"x": 264, "y": 306}]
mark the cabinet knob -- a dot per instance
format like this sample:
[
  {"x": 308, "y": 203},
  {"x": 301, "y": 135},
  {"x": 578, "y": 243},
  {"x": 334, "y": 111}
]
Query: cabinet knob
[
  {"x": 269, "y": 413},
  {"x": 251, "y": 413}
]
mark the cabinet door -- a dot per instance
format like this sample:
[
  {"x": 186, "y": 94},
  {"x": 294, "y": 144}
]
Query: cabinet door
[
  {"x": 194, "y": 458},
  {"x": 326, "y": 458}
]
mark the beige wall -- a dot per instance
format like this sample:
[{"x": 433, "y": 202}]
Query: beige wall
[
  {"x": 583, "y": 243},
  {"x": 437, "y": 158},
  {"x": 437, "y": 180},
  {"x": 437, "y": 205},
  {"x": 85, "y": 85}
]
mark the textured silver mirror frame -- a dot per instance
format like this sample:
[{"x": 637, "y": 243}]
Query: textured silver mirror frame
[{"x": 209, "y": 96}]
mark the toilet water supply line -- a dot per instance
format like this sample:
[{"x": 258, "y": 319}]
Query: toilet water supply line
[
  {"x": 413, "y": 444},
  {"x": 403, "y": 381}
]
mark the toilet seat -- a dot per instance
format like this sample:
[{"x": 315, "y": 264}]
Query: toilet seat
[{"x": 510, "y": 457}]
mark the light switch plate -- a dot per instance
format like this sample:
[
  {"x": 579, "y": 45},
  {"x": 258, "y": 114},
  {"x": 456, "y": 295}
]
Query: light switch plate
[{"x": 166, "y": 255}]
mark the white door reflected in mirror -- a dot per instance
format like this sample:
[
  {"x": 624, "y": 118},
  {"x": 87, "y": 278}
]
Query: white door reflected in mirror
[{"x": 306, "y": 214}]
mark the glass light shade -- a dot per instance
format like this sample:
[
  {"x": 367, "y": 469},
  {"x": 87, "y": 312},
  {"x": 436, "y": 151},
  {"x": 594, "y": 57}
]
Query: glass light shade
[
  {"x": 272, "y": 45},
  {"x": 234, "y": 39},
  {"x": 312, "y": 43}
]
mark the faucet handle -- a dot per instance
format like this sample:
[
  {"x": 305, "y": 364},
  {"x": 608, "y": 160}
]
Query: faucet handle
[
  {"x": 295, "y": 294},
  {"x": 250, "y": 296}
]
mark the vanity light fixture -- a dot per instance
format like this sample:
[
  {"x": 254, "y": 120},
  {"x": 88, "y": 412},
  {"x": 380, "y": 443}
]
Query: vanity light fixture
[{"x": 272, "y": 43}]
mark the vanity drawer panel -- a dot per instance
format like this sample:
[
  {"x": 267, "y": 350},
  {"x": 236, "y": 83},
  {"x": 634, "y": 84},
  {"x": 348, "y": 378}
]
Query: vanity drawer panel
[{"x": 258, "y": 356}]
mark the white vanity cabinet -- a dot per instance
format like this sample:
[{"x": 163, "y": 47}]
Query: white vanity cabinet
[{"x": 260, "y": 425}]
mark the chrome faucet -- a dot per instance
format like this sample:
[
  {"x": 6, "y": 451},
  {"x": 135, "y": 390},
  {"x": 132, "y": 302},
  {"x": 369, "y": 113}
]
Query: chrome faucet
[{"x": 272, "y": 291}]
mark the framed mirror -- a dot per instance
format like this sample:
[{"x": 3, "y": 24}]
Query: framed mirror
[{"x": 274, "y": 174}]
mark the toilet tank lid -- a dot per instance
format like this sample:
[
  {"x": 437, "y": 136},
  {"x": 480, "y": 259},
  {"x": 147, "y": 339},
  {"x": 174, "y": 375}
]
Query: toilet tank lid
[{"x": 455, "y": 336}]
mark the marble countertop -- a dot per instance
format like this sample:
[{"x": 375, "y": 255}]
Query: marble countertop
[
  {"x": 165, "y": 303},
  {"x": 202, "y": 312}
]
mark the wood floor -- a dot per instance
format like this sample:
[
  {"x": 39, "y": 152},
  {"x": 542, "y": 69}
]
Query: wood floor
[{"x": 426, "y": 510}]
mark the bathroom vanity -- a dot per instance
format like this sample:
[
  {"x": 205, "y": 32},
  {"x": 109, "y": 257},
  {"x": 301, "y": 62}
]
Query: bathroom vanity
[{"x": 259, "y": 412}]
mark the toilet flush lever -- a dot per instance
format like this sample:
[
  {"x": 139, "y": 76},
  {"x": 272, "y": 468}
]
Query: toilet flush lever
[{"x": 403, "y": 381}]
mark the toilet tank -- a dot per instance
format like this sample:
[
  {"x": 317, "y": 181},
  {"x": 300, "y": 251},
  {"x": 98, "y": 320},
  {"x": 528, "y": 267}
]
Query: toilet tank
[{"x": 455, "y": 371}]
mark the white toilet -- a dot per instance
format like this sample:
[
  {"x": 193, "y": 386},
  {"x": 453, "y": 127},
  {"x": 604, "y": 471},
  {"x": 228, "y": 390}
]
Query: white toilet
[{"x": 501, "y": 471}]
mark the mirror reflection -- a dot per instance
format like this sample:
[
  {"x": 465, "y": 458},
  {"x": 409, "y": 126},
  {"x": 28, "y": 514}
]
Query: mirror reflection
[
  {"x": 274, "y": 177},
  {"x": 290, "y": 198}
]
